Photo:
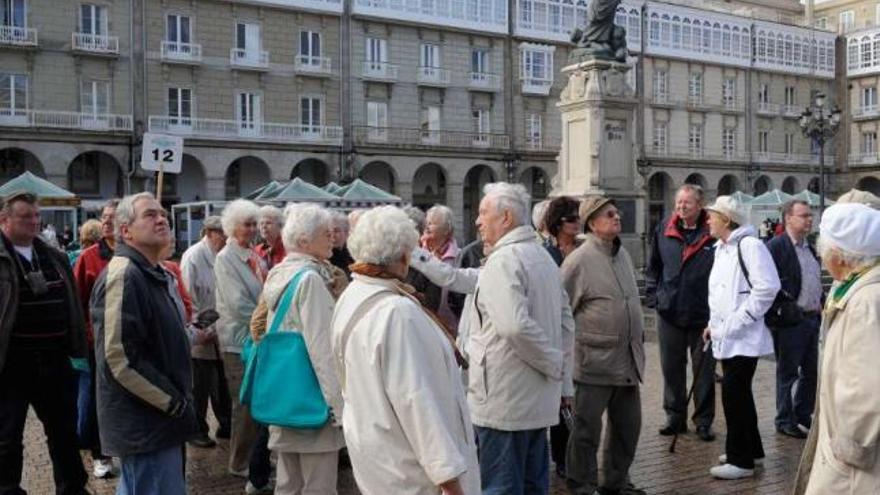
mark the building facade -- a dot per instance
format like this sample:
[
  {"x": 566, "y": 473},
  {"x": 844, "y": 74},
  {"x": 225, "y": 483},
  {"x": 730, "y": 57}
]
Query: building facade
[{"x": 429, "y": 99}]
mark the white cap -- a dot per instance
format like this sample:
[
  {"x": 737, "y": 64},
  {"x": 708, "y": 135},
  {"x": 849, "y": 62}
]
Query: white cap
[
  {"x": 852, "y": 227},
  {"x": 731, "y": 208}
]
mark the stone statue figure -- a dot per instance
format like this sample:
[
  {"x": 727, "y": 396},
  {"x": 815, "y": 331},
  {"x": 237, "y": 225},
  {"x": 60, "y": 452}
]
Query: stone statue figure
[{"x": 602, "y": 39}]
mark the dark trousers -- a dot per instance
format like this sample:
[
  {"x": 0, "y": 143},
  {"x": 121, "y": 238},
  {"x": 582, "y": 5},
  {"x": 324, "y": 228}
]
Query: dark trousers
[
  {"x": 743, "y": 438},
  {"x": 559, "y": 443},
  {"x": 259, "y": 466},
  {"x": 46, "y": 381},
  {"x": 209, "y": 384},
  {"x": 624, "y": 408},
  {"x": 513, "y": 462},
  {"x": 675, "y": 345},
  {"x": 797, "y": 355},
  {"x": 88, "y": 411}
]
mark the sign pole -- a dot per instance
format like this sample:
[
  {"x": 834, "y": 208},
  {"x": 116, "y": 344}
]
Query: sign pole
[{"x": 160, "y": 177}]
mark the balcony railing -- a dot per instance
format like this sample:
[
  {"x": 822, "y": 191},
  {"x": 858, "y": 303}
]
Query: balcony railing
[
  {"x": 64, "y": 120},
  {"x": 697, "y": 103},
  {"x": 768, "y": 109},
  {"x": 866, "y": 112},
  {"x": 433, "y": 76},
  {"x": 319, "y": 66},
  {"x": 184, "y": 53},
  {"x": 732, "y": 105},
  {"x": 792, "y": 111},
  {"x": 776, "y": 157},
  {"x": 235, "y": 129},
  {"x": 687, "y": 153},
  {"x": 482, "y": 81},
  {"x": 246, "y": 58},
  {"x": 417, "y": 138},
  {"x": 862, "y": 159},
  {"x": 18, "y": 36},
  {"x": 380, "y": 71},
  {"x": 664, "y": 99},
  {"x": 542, "y": 144},
  {"x": 95, "y": 43},
  {"x": 536, "y": 86}
]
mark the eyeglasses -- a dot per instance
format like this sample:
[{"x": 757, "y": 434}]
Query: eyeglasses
[{"x": 612, "y": 213}]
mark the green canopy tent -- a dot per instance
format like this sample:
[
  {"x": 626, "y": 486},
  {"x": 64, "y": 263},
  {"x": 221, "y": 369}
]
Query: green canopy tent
[
  {"x": 269, "y": 188},
  {"x": 767, "y": 205},
  {"x": 811, "y": 198},
  {"x": 332, "y": 188},
  {"x": 742, "y": 197},
  {"x": 300, "y": 191},
  {"x": 363, "y": 194},
  {"x": 58, "y": 206}
]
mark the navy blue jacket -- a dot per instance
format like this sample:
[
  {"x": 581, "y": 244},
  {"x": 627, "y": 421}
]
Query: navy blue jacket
[{"x": 787, "y": 264}]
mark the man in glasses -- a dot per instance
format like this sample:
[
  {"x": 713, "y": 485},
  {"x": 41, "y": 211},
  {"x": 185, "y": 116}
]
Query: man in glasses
[
  {"x": 677, "y": 286},
  {"x": 41, "y": 331}
]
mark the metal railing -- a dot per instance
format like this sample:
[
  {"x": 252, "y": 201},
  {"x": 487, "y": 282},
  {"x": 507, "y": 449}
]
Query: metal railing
[
  {"x": 866, "y": 112},
  {"x": 404, "y": 137},
  {"x": 175, "y": 51},
  {"x": 767, "y": 108},
  {"x": 482, "y": 80},
  {"x": 313, "y": 65},
  {"x": 95, "y": 43},
  {"x": 687, "y": 153},
  {"x": 536, "y": 86},
  {"x": 248, "y": 58},
  {"x": 542, "y": 144},
  {"x": 237, "y": 129},
  {"x": 65, "y": 120},
  {"x": 433, "y": 76},
  {"x": 18, "y": 36},
  {"x": 776, "y": 157},
  {"x": 857, "y": 159},
  {"x": 379, "y": 70},
  {"x": 792, "y": 111}
]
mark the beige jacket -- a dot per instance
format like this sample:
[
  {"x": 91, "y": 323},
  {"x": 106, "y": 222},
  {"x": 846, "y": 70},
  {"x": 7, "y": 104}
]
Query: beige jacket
[
  {"x": 847, "y": 457},
  {"x": 609, "y": 341},
  {"x": 311, "y": 313}
]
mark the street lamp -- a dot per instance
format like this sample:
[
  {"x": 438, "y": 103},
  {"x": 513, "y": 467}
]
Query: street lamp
[{"x": 820, "y": 124}]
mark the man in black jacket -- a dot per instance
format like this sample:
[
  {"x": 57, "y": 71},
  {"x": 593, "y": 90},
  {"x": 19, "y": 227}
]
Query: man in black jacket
[
  {"x": 677, "y": 286},
  {"x": 42, "y": 333},
  {"x": 144, "y": 386},
  {"x": 797, "y": 342}
]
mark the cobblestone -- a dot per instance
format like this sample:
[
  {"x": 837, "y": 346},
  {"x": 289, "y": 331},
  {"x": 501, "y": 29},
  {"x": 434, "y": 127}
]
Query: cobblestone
[{"x": 655, "y": 469}]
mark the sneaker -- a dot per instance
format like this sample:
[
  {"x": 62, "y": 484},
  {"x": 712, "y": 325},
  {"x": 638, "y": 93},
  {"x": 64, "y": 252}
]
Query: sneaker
[
  {"x": 103, "y": 468},
  {"x": 804, "y": 429},
  {"x": 731, "y": 472},
  {"x": 239, "y": 474},
  {"x": 759, "y": 461},
  {"x": 250, "y": 489}
]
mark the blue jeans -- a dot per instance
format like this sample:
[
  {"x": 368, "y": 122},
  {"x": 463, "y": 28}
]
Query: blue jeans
[
  {"x": 797, "y": 355},
  {"x": 513, "y": 462},
  {"x": 153, "y": 473}
]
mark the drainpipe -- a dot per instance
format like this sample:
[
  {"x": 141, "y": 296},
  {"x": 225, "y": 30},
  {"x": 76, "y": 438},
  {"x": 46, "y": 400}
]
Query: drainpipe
[{"x": 346, "y": 158}]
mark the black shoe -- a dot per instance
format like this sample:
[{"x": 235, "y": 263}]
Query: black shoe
[
  {"x": 669, "y": 430},
  {"x": 223, "y": 433},
  {"x": 705, "y": 433},
  {"x": 791, "y": 431},
  {"x": 203, "y": 442},
  {"x": 629, "y": 489}
]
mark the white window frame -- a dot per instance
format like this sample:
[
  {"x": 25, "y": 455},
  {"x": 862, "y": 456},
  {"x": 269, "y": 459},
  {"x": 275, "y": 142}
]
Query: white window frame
[
  {"x": 868, "y": 98},
  {"x": 429, "y": 56},
  {"x": 846, "y": 21},
  {"x": 536, "y": 64},
  {"x": 430, "y": 118},
  {"x": 308, "y": 54},
  {"x": 764, "y": 93},
  {"x": 10, "y": 16},
  {"x": 534, "y": 130},
  {"x": 481, "y": 63},
  {"x": 660, "y": 137},
  {"x": 821, "y": 23},
  {"x": 790, "y": 96},
  {"x": 94, "y": 88},
  {"x": 661, "y": 85},
  {"x": 790, "y": 144},
  {"x": 695, "y": 139},
  {"x": 179, "y": 120},
  {"x": 482, "y": 120},
  {"x": 377, "y": 120},
  {"x": 12, "y": 107},
  {"x": 178, "y": 20},
  {"x": 96, "y": 26},
  {"x": 249, "y": 118},
  {"x": 376, "y": 50},
  {"x": 763, "y": 141},
  {"x": 869, "y": 142},
  {"x": 728, "y": 141},
  {"x": 250, "y": 53},
  {"x": 728, "y": 91},
  {"x": 695, "y": 87},
  {"x": 311, "y": 125}
]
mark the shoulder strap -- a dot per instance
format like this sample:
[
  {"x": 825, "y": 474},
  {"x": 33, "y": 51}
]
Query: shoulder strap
[
  {"x": 742, "y": 264},
  {"x": 356, "y": 316},
  {"x": 286, "y": 298}
]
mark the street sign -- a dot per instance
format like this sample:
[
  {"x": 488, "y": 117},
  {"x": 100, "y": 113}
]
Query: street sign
[{"x": 162, "y": 153}]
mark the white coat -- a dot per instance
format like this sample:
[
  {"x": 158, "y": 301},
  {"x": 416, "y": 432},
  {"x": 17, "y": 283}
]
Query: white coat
[
  {"x": 197, "y": 271},
  {"x": 237, "y": 291},
  {"x": 736, "y": 311},
  {"x": 405, "y": 420}
]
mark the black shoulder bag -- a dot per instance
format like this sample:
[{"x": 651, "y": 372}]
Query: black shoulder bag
[{"x": 785, "y": 311}]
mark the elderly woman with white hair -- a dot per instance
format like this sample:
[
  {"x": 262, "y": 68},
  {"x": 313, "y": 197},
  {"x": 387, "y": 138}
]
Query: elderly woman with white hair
[
  {"x": 406, "y": 421},
  {"x": 307, "y": 458},
  {"x": 845, "y": 455},
  {"x": 238, "y": 283},
  {"x": 438, "y": 239},
  {"x": 270, "y": 249}
]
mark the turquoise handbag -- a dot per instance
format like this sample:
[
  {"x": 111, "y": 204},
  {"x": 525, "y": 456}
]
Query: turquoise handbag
[{"x": 279, "y": 385}]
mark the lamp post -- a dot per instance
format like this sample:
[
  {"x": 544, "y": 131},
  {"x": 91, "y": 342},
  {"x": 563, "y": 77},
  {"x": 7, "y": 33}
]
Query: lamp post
[{"x": 820, "y": 124}]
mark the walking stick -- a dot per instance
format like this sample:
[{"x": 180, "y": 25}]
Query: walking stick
[{"x": 691, "y": 393}]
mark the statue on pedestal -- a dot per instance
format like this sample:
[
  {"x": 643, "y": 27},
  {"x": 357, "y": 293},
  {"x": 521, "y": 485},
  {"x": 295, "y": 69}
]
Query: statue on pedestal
[{"x": 601, "y": 39}]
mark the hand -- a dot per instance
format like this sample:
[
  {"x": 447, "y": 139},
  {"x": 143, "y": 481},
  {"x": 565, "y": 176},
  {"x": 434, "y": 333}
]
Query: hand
[
  {"x": 203, "y": 337},
  {"x": 451, "y": 487},
  {"x": 707, "y": 334}
]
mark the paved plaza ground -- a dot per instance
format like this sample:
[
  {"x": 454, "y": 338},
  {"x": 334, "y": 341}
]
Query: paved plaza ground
[{"x": 655, "y": 469}]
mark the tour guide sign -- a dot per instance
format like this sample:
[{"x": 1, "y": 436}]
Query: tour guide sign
[{"x": 162, "y": 154}]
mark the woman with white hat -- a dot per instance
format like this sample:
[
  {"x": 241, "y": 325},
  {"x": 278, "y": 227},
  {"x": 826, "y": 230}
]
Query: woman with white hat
[
  {"x": 742, "y": 286},
  {"x": 846, "y": 456}
]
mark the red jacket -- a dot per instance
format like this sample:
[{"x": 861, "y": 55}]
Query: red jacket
[
  {"x": 271, "y": 256},
  {"x": 88, "y": 266},
  {"x": 174, "y": 268}
]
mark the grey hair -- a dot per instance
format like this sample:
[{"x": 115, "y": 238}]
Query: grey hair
[
  {"x": 237, "y": 213},
  {"x": 125, "y": 213},
  {"x": 341, "y": 220},
  {"x": 511, "y": 197},
  {"x": 445, "y": 214},
  {"x": 211, "y": 223},
  {"x": 304, "y": 222},
  {"x": 383, "y": 236},
  {"x": 272, "y": 212},
  {"x": 855, "y": 261},
  {"x": 417, "y": 216},
  {"x": 538, "y": 212},
  {"x": 696, "y": 189}
]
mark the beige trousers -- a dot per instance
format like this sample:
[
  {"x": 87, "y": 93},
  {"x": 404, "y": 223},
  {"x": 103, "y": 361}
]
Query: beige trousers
[
  {"x": 306, "y": 474},
  {"x": 244, "y": 430}
]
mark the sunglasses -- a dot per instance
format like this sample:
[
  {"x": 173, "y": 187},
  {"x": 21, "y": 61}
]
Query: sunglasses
[{"x": 571, "y": 219}]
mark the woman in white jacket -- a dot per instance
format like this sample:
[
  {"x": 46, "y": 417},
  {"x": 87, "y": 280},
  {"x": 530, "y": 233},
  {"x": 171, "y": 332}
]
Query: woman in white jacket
[{"x": 742, "y": 286}]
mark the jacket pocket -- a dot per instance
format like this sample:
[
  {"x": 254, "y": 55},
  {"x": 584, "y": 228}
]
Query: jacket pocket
[
  {"x": 600, "y": 340},
  {"x": 478, "y": 382}
]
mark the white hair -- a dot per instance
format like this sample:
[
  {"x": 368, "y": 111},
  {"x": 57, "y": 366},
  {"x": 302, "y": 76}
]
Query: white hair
[
  {"x": 304, "y": 223},
  {"x": 340, "y": 220},
  {"x": 444, "y": 213},
  {"x": 538, "y": 212},
  {"x": 125, "y": 213},
  {"x": 273, "y": 213},
  {"x": 511, "y": 197},
  {"x": 855, "y": 261},
  {"x": 382, "y": 236},
  {"x": 237, "y": 213}
]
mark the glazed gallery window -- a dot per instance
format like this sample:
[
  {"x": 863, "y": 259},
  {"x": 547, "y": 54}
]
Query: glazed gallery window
[{"x": 13, "y": 95}]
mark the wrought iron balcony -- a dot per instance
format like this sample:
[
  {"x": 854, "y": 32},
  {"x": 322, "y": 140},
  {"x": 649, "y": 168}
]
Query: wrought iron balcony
[
  {"x": 97, "y": 44},
  {"x": 181, "y": 53},
  {"x": 247, "y": 130}
]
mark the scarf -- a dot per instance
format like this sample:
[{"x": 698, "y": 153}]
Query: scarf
[{"x": 406, "y": 290}]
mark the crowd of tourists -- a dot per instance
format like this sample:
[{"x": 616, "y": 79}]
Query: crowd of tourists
[{"x": 438, "y": 369}]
